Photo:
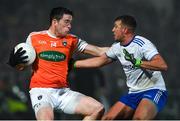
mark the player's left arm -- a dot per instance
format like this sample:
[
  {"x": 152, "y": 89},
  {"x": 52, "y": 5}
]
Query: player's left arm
[
  {"x": 156, "y": 63},
  {"x": 95, "y": 50},
  {"x": 94, "y": 62}
]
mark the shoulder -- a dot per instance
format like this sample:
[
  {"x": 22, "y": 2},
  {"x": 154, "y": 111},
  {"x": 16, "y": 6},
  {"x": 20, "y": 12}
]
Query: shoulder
[
  {"x": 76, "y": 39},
  {"x": 115, "y": 45},
  {"x": 72, "y": 36},
  {"x": 35, "y": 33},
  {"x": 141, "y": 39}
]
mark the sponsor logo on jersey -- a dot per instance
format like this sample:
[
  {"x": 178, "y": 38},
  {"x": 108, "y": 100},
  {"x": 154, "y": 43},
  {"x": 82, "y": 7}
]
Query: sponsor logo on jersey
[
  {"x": 42, "y": 42},
  {"x": 54, "y": 56},
  {"x": 128, "y": 66}
]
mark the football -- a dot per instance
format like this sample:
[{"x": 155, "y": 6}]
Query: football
[{"x": 30, "y": 52}]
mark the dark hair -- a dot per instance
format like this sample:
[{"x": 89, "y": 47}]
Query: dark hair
[
  {"x": 58, "y": 12},
  {"x": 128, "y": 21}
]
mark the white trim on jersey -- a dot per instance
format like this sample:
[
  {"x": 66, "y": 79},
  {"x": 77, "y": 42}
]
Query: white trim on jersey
[
  {"x": 81, "y": 45},
  {"x": 28, "y": 40}
]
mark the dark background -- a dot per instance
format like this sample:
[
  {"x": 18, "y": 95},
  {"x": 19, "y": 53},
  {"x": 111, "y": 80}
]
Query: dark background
[{"x": 158, "y": 20}]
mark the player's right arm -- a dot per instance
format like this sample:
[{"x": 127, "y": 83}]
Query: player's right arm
[
  {"x": 95, "y": 50},
  {"x": 86, "y": 48},
  {"x": 93, "y": 62}
]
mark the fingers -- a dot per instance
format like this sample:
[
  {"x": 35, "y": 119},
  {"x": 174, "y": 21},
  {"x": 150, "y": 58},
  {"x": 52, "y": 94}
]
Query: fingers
[
  {"x": 23, "y": 62},
  {"x": 22, "y": 52},
  {"x": 24, "y": 57},
  {"x": 19, "y": 50},
  {"x": 17, "y": 57}
]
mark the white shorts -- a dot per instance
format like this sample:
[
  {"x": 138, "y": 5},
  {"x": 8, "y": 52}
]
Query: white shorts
[{"x": 62, "y": 99}]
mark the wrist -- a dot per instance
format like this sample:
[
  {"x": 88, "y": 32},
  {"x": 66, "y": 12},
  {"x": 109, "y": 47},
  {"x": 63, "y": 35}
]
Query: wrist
[
  {"x": 138, "y": 63},
  {"x": 74, "y": 65},
  {"x": 20, "y": 67}
]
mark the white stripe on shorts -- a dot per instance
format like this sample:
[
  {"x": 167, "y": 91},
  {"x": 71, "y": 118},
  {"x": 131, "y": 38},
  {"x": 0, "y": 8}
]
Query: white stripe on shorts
[{"x": 157, "y": 97}]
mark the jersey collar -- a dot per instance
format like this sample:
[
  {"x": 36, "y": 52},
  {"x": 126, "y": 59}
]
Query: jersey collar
[{"x": 129, "y": 41}]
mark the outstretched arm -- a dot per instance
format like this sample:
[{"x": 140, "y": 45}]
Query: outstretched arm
[
  {"x": 93, "y": 62},
  {"x": 95, "y": 50}
]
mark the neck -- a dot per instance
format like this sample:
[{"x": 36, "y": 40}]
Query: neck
[
  {"x": 52, "y": 31},
  {"x": 127, "y": 39}
]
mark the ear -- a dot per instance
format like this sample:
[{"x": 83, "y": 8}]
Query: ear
[
  {"x": 125, "y": 30},
  {"x": 54, "y": 22}
]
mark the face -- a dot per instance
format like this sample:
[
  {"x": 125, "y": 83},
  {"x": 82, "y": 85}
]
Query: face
[
  {"x": 118, "y": 31},
  {"x": 63, "y": 26}
]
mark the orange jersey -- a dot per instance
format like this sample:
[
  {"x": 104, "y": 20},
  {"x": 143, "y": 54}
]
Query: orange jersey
[{"x": 50, "y": 68}]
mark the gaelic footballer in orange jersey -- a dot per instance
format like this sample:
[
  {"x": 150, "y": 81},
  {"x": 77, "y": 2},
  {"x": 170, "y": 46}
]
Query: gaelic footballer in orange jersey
[
  {"x": 51, "y": 65},
  {"x": 49, "y": 88}
]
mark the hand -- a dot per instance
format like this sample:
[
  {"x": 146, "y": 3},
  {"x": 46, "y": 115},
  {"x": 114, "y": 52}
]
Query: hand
[
  {"x": 17, "y": 58},
  {"x": 130, "y": 57}
]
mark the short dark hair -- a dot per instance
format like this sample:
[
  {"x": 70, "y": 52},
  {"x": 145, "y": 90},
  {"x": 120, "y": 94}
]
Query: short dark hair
[
  {"x": 57, "y": 13},
  {"x": 128, "y": 21}
]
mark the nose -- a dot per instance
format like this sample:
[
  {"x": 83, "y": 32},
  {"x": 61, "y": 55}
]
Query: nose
[
  {"x": 69, "y": 26},
  {"x": 112, "y": 29}
]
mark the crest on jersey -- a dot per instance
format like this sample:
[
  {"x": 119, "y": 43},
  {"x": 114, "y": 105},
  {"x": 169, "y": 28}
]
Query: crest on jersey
[
  {"x": 39, "y": 97},
  {"x": 64, "y": 42}
]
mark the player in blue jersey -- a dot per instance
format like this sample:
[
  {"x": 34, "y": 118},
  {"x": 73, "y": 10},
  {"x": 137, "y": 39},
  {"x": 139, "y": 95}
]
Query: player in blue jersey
[{"x": 142, "y": 65}]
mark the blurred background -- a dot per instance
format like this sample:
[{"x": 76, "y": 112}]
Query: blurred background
[{"x": 158, "y": 20}]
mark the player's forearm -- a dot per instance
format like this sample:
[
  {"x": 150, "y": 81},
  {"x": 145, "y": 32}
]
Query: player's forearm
[
  {"x": 154, "y": 65},
  {"x": 102, "y": 50},
  {"x": 95, "y": 50},
  {"x": 87, "y": 63}
]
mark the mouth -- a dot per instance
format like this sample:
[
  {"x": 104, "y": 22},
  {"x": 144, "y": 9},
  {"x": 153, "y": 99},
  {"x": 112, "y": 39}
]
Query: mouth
[
  {"x": 66, "y": 32},
  {"x": 114, "y": 35}
]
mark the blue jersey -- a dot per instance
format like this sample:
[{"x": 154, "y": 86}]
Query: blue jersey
[{"x": 138, "y": 79}]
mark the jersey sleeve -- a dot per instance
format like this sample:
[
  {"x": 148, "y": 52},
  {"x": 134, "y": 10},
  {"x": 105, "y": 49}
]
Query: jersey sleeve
[
  {"x": 111, "y": 53},
  {"x": 149, "y": 50},
  {"x": 81, "y": 45}
]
